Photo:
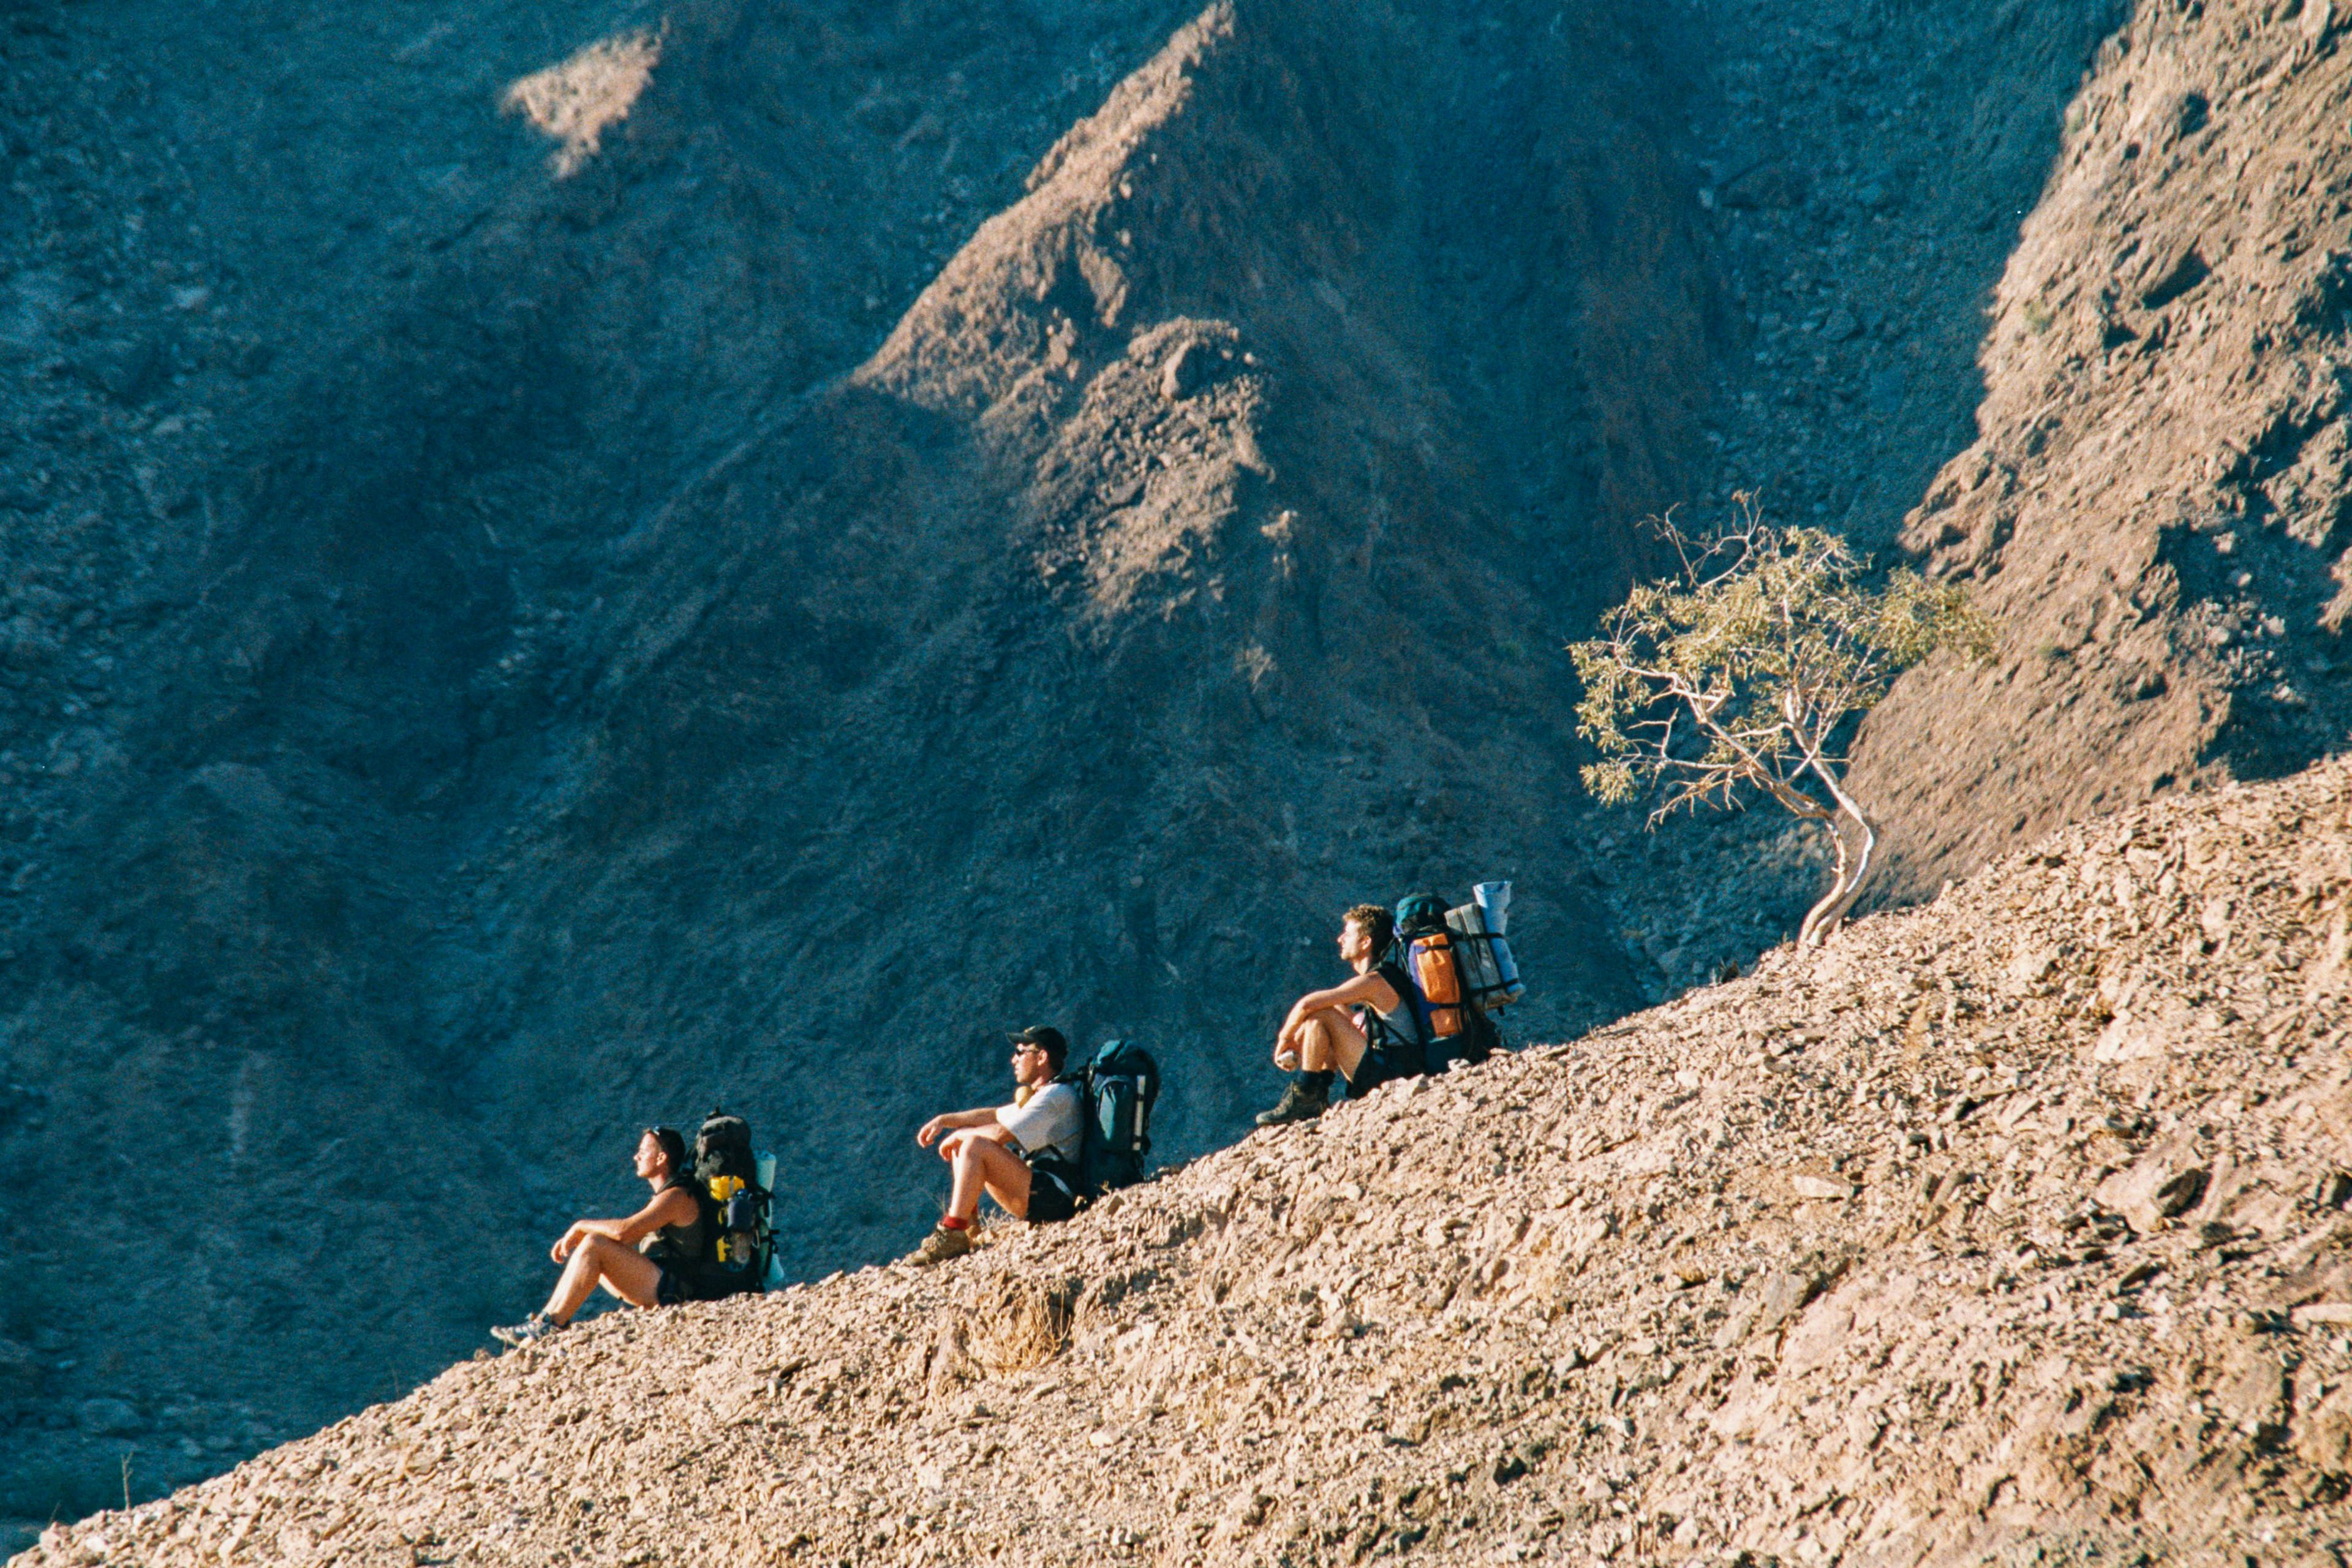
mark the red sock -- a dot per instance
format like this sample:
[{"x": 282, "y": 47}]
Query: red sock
[{"x": 951, "y": 1223}]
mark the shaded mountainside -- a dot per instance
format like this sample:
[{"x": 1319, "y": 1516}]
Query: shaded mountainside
[
  {"x": 2008, "y": 1228},
  {"x": 601, "y": 666},
  {"x": 2155, "y": 506},
  {"x": 1049, "y": 664},
  {"x": 323, "y": 402},
  {"x": 2046, "y": 299},
  {"x": 1866, "y": 169}
]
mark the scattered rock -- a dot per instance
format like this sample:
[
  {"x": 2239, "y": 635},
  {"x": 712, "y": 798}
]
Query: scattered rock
[
  {"x": 109, "y": 1418},
  {"x": 1881, "y": 192},
  {"x": 1772, "y": 185},
  {"x": 1186, "y": 372},
  {"x": 2154, "y": 1190},
  {"x": 2324, "y": 1435},
  {"x": 2255, "y": 1396},
  {"x": 128, "y": 371},
  {"x": 1526, "y": 1318},
  {"x": 20, "y": 1366}
]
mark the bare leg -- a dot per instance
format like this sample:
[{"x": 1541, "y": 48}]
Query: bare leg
[
  {"x": 624, "y": 1272},
  {"x": 1330, "y": 1040},
  {"x": 983, "y": 1163}
]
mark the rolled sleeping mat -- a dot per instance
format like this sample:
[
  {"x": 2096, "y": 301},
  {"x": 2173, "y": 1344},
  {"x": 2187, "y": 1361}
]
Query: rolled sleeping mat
[{"x": 765, "y": 1164}]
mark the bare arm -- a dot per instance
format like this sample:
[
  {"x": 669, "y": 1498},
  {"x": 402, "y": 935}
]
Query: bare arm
[
  {"x": 672, "y": 1205},
  {"x": 1368, "y": 988},
  {"x": 928, "y": 1132}
]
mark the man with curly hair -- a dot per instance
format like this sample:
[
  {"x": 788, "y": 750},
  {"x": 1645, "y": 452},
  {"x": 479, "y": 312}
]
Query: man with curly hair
[{"x": 1363, "y": 1029}]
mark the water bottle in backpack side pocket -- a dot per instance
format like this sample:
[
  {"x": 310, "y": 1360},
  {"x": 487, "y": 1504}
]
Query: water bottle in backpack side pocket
[{"x": 727, "y": 1196}]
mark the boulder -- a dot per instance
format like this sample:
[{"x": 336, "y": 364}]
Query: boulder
[{"x": 107, "y": 1417}]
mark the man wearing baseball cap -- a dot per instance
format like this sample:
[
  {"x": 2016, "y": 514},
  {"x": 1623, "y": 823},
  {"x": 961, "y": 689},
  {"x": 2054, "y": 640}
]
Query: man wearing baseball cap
[{"x": 1025, "y": 1155}]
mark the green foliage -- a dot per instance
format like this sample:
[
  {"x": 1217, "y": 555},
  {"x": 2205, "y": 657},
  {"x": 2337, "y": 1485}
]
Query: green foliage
[{"x": 1736, "y": 670}]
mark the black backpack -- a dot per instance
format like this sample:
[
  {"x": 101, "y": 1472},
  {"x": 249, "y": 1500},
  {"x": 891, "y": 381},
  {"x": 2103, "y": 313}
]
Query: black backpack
[
  {"x": 1405, "y": 1049},
  {"x": 1116, "y": 1089},
  {"x": 1122, "y": 1084},
  {"x": 735, "y": 1206}
]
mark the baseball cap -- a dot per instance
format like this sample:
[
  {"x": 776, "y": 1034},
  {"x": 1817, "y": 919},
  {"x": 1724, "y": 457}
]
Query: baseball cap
[{"x": 1046, "y": 1038}]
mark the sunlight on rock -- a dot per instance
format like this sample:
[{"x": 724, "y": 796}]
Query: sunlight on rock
[{"x": 577, "y": 100}]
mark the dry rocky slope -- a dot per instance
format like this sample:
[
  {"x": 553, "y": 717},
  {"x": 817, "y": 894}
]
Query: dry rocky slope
[
  {"x": 1864, "y": 169},
  {"x": 2008, "y": 1229}
]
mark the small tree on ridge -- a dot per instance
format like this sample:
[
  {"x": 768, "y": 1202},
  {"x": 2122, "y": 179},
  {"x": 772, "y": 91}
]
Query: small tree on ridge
[{"x": 1736, "y": 670}]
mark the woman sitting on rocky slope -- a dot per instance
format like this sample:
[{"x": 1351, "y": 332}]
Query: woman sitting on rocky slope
[{"x": 652, "y": 1259}]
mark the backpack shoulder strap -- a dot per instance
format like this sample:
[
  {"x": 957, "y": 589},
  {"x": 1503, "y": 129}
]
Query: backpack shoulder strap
[{"x": 1409, "y": 1000}]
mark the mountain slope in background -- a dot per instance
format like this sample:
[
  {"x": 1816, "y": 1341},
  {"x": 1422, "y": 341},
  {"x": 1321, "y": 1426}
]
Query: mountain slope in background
[
  {"x": 614, "y": 674},
  {"x": 1047, "y": 666},
  {"x": 2155, "y": 508}
]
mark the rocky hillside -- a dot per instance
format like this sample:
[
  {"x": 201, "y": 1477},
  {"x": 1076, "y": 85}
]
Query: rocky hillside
[
  {"x": 563, "y": 563},
  {"x": 816, "y": 538},
  {"x": 2155, "y": 506},
  {"x": 1863, "y": 171},
  {"x": 2065, "y": 322},
  {"x": 2009, "y": 1228}
]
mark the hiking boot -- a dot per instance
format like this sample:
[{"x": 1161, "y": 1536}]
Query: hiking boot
[
  {"x": 536, "y": 1327},
  {"x": 1298, "y": 1103},
  {"x": 941, "y": 1245}
]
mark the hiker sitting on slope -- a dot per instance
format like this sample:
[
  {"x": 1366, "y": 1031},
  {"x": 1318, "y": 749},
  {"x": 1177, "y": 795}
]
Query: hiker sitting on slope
[
  {"x": 1024, "y": 1154},
  {"x": 1362, "y": 1027},
  {"x": 656, "y": 1257}
]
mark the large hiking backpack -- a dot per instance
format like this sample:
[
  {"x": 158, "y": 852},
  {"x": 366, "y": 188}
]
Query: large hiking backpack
[
  {"x": 735, "y": 1206},
  {"x": 1458, "y": 972},
  {"x": 1490, "y": 974},
  {"x": 1425, "y": 953},
  {"x": 1116, "y": 1089},
  {"x": 1122, "y": 1084}
]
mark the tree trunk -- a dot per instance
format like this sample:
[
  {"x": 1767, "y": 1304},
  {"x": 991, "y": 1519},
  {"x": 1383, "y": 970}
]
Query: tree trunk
[{"x": 1855, "y": 840}]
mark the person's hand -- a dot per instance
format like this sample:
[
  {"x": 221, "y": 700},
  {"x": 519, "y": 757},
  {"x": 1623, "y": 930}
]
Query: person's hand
[
  {"x": 954, "y": 1141},
  {"x": 929, "y": 1131},
  {"x": 566, "y": 1244}
]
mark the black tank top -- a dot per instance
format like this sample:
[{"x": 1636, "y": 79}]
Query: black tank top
[
  {"x": 1396, "y": 1034},
  {"x": 680, "y": 1247}
]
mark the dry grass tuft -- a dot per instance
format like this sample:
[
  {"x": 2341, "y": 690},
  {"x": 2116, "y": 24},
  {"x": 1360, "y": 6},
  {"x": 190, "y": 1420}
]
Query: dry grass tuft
[{"x": 1025, "y": 1326}]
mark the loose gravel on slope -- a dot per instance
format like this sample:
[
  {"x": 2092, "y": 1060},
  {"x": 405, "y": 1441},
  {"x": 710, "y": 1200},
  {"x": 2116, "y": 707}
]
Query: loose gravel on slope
[{"x": 2008, "y": 1229}]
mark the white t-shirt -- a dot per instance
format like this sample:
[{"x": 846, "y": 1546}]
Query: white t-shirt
[{"x": 1052, "y": 1120}]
